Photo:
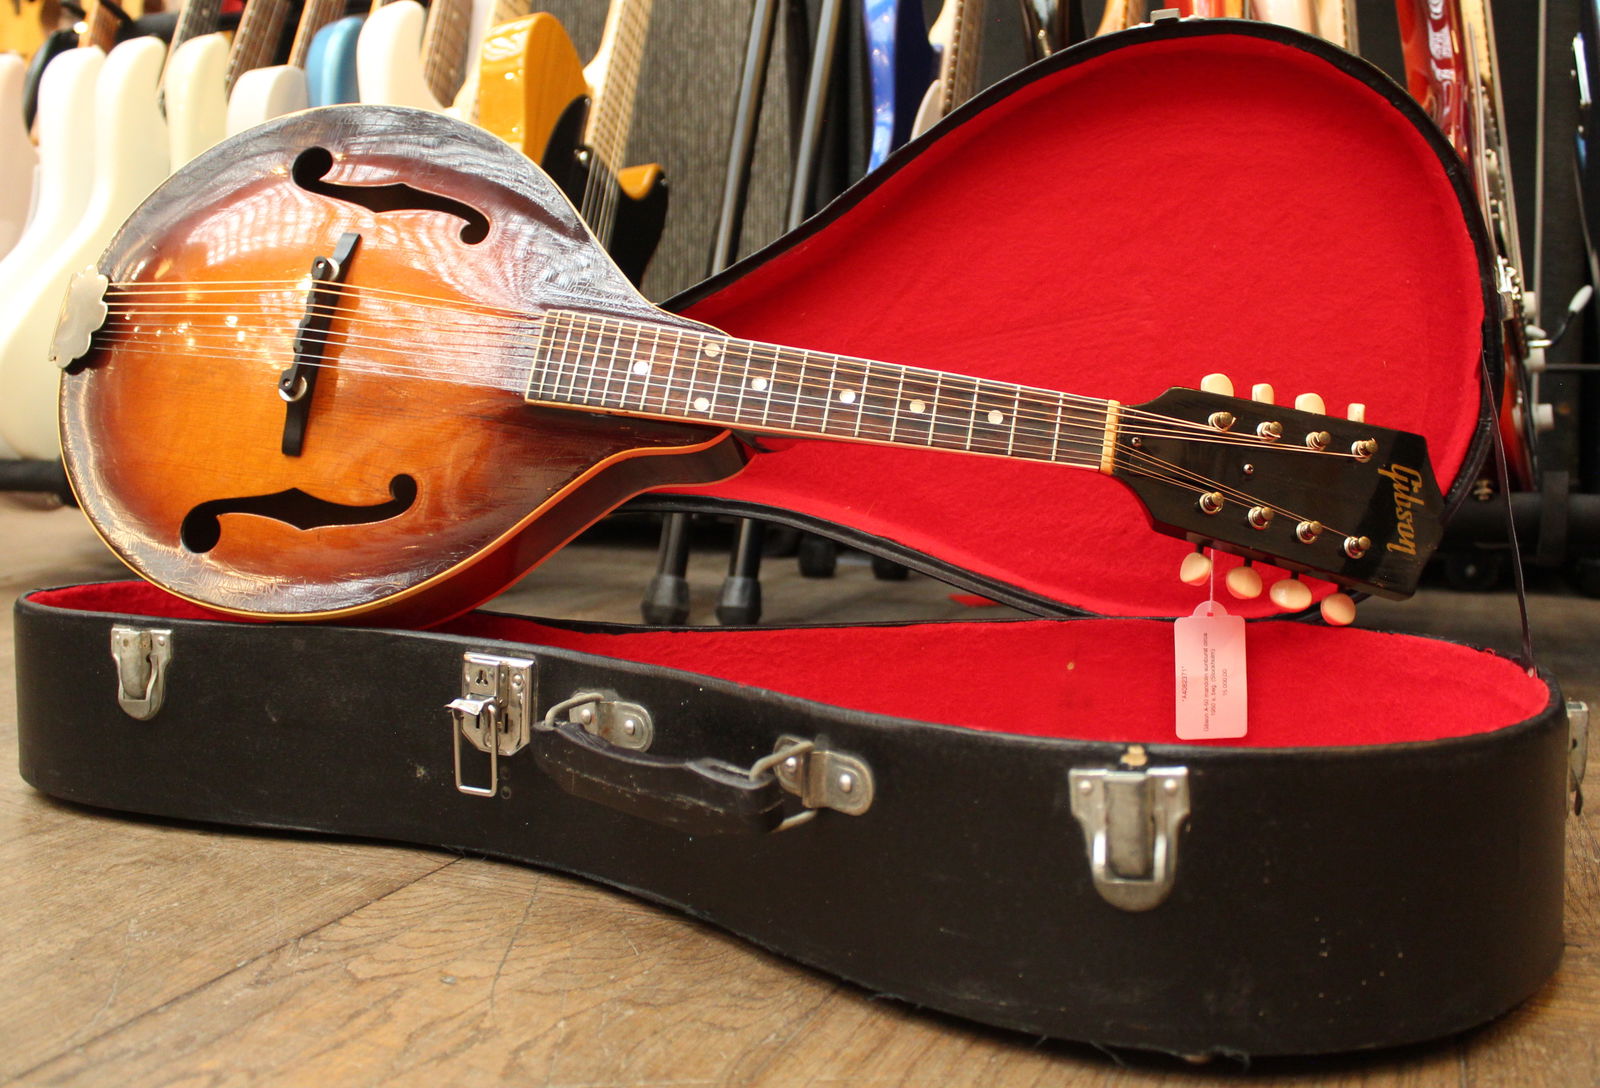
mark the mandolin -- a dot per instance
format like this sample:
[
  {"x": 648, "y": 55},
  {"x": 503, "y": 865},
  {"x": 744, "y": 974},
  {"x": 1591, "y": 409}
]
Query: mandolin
[{"x": 368, "y": 362}]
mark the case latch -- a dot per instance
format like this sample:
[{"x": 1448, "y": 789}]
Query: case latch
[
  {"x": 492, "y": 713},
  {"x": 141, "y": 655},
  {"x": 1130, "y": 824}
]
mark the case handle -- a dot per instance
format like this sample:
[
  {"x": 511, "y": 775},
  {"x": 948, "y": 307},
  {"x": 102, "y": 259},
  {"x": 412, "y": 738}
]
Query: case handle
[{"x": 697, "y": 796}]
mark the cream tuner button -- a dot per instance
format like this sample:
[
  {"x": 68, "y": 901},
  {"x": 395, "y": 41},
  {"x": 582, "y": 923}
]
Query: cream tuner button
[
  {"x": 1357, "y": 413},
  {"x": 1262, "y": 393},
  {"x": 1338, "y": 609},
  {"x": 1290, "y": 595},
  {"x": 1244, "y": 582},
  {"x": 1310, "y": 402},
  {"x": 1195, "y": 570},
  {"x": 1220, "y": 384}
]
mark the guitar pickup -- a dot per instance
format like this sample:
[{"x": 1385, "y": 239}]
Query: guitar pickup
[
  {"x": 299, "y": 381},
  {"x": 83, "y": 313}
]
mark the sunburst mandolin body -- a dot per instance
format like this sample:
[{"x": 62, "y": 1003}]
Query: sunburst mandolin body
[{"x": 413, "y": 497}]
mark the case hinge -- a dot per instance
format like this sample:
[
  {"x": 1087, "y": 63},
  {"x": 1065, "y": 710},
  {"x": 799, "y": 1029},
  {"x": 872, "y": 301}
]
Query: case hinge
[
  {"x": 1130, "y": 824},
  {"x": 492, "y": 713},
  {"x": 821, "y": 777},
  {"x": 141, "y": 655}
]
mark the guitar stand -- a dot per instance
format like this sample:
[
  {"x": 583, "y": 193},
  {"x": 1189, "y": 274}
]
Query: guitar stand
[
  {"x": 666, "y": 599},
  {"x": 46, "y": 477}
]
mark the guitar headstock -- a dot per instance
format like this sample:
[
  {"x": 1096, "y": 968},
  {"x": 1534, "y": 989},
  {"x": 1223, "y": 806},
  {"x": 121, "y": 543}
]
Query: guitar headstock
[{"x": 1337, "y": 498}]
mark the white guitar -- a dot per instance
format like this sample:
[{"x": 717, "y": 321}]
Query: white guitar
[
  {"x": 408, "y": 57},
  {"x": 18, "y": 159},
  {"x": 203, "y": 72},
  {"x": 261, "y": 94},
  {"x": 129, "y": 159}
]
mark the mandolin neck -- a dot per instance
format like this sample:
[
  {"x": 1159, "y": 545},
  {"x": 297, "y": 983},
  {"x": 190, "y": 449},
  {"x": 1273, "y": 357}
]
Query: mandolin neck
[{"x": 659, "y": 371}]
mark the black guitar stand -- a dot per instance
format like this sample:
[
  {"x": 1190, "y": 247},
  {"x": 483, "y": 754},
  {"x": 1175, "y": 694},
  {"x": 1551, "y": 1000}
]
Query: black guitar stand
[
  {"x": 666, "y": 599},
  {"x": 43, "y": 477}
]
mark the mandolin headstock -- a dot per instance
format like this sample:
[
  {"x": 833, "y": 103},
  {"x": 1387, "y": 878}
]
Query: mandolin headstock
[{"x": 1337, "y": 498}]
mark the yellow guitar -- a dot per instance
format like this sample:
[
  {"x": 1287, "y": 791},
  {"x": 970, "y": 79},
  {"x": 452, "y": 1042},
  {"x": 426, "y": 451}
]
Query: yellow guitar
[{"x": 537, "y": 95}]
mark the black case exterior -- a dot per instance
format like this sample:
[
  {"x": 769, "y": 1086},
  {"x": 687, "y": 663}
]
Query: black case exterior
[{"x": 1325, "y": 899}]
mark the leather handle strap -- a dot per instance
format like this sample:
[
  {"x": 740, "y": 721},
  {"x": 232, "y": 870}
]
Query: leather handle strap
[{"x": 697, "y": 796}]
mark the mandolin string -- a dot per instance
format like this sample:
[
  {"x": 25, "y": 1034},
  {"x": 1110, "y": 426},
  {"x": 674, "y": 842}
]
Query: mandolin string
[
  {"x": 859, "y": 367},
  {"x": 1202, "y": 483},
  {"x": 513, "y": 375}
]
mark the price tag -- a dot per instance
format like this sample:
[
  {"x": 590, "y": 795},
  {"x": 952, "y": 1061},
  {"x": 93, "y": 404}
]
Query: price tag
[{"x": 1210, "y": 674}]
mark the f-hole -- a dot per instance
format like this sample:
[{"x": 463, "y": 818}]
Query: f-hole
[
  {"x": 313, "y": 164},
  {"x": 202, "y": 526}
]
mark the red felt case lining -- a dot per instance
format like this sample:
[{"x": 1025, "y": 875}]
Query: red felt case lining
[
  {"x": 1214, "y": 202},
  {"x": 1085, "y": 679}
]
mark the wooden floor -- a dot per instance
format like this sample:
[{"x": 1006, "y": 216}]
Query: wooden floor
[{"x": 134, "y": 952}]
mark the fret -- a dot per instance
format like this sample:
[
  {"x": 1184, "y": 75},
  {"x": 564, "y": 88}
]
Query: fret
[{"x": 903, "y": 406}]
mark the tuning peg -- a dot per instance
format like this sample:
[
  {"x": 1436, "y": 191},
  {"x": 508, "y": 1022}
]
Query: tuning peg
[
  {"x": 1196, "y": 568},
  {"x": 1338, "y": 609},
  {"x": 1290, "y": 594},
  {"x": 1244, "y": 582},
  {"x": 1220, "y": 384},
  {"x": 1310, "y": 402},
  {"x": 1262, "y": 393},
  {"x": 1357, "y": 413}
]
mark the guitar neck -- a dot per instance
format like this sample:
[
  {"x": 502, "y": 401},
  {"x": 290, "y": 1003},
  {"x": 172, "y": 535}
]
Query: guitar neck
[
  {"x": 444, "y": 47},
  {"x": 958, "y": 69},
  {"x": 100, "y": 26},
  {"x": 198, "y": 17},
  {"x": 657, "y": 371},
  {"x": 255, "y": 43},
  {"x": 316, "y": 15},
  {"x": 619, "y": 57}
]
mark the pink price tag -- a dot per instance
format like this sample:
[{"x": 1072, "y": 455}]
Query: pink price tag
[{"x": 1212, "y": 694}]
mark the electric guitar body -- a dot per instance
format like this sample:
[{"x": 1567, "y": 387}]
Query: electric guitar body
[
  {"x": 25, "y": 25},
  {"x": 130, "y": 160},
  {"x": 640, "y": 197},
  {"x": 18, "y": 159},
  {"x": 331, "y": 64},
  {"x": 529, "y": 76},
  {"x": 197, "y": 104},
  {"x": 901, "y": 63}
]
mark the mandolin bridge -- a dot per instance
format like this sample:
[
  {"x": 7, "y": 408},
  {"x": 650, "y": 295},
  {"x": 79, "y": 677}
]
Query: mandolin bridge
[{"x": 299, "y": 381}]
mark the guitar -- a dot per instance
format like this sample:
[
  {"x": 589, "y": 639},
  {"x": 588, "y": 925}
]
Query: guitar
[
  {"x": 406, "y": 56},
  {"x": 205, "y": 71},
  {"x": 326, "y": 373},
  {"x": 273, "y": 90},
  {"x": 128, "y": 160},
  {"x": 17, "y": 155},
  {"x": 574, "y": 120},
  {"x": 1451, "y": 69},
  {"x": 25, "y": 24},
  {"x": 957, "y": 38},
  {"x": 331, "y": 61}
]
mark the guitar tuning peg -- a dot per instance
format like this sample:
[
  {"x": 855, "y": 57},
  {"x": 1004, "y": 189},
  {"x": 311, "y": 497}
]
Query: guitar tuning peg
[
  {"x": 1338, "y": 609},
  {"x": 1261, "y": 393},
  {"x": 1220, "y": 384},
  {"x": 1357, "y": 413},
  {"x": 1290, "y": 594},
  {"x": 1310, "y": 402},
  {"x": 1196, "y": 568},
  {"x": 1244, "y": 582}
]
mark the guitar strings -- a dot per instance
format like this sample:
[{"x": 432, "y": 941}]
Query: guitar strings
[
  {"x": 773, "y": 353},
  {"x": 511, "y": 366}
]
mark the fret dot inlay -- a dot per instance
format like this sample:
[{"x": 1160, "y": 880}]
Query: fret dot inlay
[
  {"x": 702, "y": 404},
  {"x": 848, "y": 396},
  {"x": 917, "y": 407},
  {"x": 758, "y": 384},
  {"x": 996, "y": 417},
  {"x": 641, "y": 367}
]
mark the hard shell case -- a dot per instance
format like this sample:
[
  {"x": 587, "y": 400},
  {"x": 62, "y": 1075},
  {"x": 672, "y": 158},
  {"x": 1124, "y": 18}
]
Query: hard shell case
[{"x": 987, "y": 818}]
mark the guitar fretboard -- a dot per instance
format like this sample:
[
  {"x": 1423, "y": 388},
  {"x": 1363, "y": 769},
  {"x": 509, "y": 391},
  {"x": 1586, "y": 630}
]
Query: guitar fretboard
[{"x": 663, "y": 372}]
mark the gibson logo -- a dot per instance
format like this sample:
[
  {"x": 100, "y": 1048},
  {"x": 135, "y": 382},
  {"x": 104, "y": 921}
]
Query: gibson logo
[{"x": 1407, "y": 493}]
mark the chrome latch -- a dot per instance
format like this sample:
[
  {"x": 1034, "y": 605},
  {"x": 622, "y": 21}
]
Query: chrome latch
[
  {"x": 821, "y": 777},
  {"x": 141, "y": 655},
  {"x": 615, "y": 721},
  {"x": 493, "y": 713},
  {"x": 1578, "y": 753},
  {"x": 1130, "y": 824}
]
